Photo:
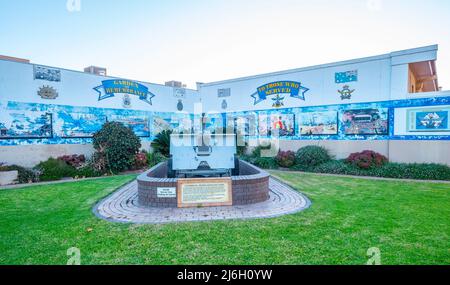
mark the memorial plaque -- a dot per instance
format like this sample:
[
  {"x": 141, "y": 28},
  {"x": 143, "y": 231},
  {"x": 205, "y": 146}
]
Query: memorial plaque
[
  {"x": 206, "y": 192},
  {"x": 167, "y": 192}
]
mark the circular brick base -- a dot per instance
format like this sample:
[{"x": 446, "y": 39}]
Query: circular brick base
[
  {"x": 122, "y": 206},
  {"x": 250, "y": 187}
]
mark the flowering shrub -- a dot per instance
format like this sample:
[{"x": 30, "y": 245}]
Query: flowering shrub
[
  {"x": 116, "y": 145},
  {"x": 74, "y": 160},
  {"x": 140, "y": 160},
  {"x": 285, "y": 158},
  {"x": 367, "y": 159}
]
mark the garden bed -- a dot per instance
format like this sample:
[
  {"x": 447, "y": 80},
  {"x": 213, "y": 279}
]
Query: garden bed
[{"x": 314, "y": 159}]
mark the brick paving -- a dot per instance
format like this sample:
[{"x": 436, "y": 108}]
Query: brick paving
[{"x": 122, "y": 206}]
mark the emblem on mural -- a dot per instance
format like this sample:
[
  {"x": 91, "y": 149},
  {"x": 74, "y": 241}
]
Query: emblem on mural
[
  {"x": 294, "y": 89},
  {"x": 180, "y": 105},
  {"x": 47, "y": 92},
  {"x": 126, "y": 101},
  {"x": 346, "y": 92},
  {"x": 179, "y": 92},
  {"x": 345, "y": 77},
  {"x": 278, "y": 101},
  {"x": 224, "y": 104},
  {"x": 110, "y": 88},
  {"x": 224, "y": 92}
]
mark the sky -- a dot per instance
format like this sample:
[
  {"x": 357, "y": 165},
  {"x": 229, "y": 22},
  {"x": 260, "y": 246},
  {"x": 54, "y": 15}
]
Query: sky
[{"x": 210, "y": 40}]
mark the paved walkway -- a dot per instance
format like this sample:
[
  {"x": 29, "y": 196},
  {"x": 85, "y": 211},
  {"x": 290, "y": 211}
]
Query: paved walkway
[{"x": 122, "y": 206}]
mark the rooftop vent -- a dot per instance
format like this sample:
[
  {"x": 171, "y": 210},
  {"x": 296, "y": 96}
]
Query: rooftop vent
[{"x": 96, "y": 70}]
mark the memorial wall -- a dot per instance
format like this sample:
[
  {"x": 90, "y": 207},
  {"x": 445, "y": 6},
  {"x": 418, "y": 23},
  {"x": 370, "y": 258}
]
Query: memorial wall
[{"x": 346, "y": 107}]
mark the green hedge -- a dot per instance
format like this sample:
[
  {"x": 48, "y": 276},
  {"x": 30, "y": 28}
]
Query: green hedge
[{"x": 389, "y": 170}]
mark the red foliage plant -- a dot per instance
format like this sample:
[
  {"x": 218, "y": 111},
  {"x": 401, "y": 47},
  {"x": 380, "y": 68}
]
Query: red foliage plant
[
  {"x": 285, "y": 158},
  {"x": 140, "y": 160},
  {"x": 74, "y": 160},
  {"x": 367, "y": 159}
]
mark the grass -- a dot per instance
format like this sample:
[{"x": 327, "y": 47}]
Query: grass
[{"x": 409, "y": 222}]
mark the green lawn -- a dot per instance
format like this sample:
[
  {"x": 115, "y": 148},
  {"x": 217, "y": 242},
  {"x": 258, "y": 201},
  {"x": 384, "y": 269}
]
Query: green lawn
[{"x": 409, "y": 222}]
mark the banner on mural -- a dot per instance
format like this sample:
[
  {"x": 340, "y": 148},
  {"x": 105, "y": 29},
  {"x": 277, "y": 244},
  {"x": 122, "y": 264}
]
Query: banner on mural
[
  {"x": 294, "y": 89},
  {"x": 110, "y": 88}
]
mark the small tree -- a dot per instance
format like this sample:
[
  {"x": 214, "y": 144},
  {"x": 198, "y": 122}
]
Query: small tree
[
  {"x": 161, "y": 143},
  {"x": 117, "y": 145}
]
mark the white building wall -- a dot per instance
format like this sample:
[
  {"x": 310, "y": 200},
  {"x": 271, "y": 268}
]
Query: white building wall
[
  {"x": 380, "y": 79},
  {"x": 17, "y": 84}
]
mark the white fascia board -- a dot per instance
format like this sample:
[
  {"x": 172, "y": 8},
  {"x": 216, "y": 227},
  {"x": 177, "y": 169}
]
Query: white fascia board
[
  {"x": 428, "y": 53},
  {"x": 92, "y": 74}
]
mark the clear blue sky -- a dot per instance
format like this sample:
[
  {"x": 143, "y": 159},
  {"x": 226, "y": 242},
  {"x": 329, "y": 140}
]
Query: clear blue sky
[{"x": 209, "y": 40}]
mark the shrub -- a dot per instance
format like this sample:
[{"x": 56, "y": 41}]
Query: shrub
[
  {"x": 87, "y": 171},
  {"x": 310, "y": 156},
  {"x": 55, "y": 169},
  {"x": 161, "y": 143},
  {"x": 74, "y": 160},
  {"x": 367, "y": 159},
  {"x": 285, "y": 159},
  {"x": 421, "y": 171},
  {"x": 116, "y": 145},
  {"x": 241, "y": 150},
  {"x": 257, "y": 150},
  {"x": 265, "y": 162},
  {"x": 98, "y": 163},
  {"x": 155, "y": 158},
  {"x": 26, "y": 175},
  {"x": 140, "y": 160},
  {"x": 388, "y": 170}
]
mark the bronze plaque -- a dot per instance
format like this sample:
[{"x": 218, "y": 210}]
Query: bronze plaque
[{"x": 204, "y": 192}]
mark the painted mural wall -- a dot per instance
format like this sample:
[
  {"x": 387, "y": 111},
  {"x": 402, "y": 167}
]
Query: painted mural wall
[
  {"x": 48, "y": 105},
  {"x": 345, "y": 101}
]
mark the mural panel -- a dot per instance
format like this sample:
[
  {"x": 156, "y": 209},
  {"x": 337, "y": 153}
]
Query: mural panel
[
  {"x": 318, "y": 123},
  {"x": 428, "y": 120},
  {"x": 282, "y": 125},
  {"x": 365, "y": 122},
  {"x": 242, "y": 123},
  {"x": 79, "y": 125},
  {"x": 178, "y": 123},
  {"x": 15, "y": 124},
  {"x": 214, "y": 124},
  {"x": 139, "y": 124}
]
